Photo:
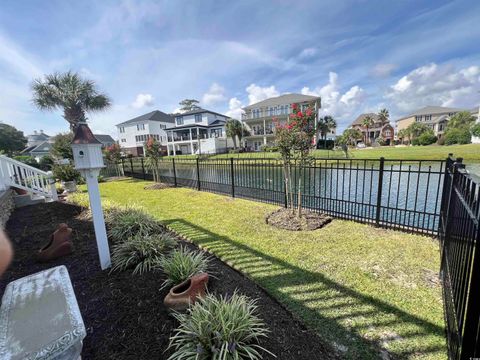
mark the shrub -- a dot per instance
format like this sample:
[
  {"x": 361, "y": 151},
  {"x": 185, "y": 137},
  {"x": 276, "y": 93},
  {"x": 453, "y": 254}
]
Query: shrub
[
  {"x": 181, "y": 264},
  {"x": 66, "y": 173},
  {"x": 219, "y": 328},
  {"x": 457, "y": 136},
  {"x": 142, "y": 253},
  {"x": 426, "y": 138},
  {"x": 475, "y": 130},
  {"x": 129, "y": 221},
  {"x": 269, "y": 148}
]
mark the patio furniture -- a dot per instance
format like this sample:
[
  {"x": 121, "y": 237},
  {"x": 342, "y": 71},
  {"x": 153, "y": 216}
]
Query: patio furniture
[{"x": 40, "y": 318}]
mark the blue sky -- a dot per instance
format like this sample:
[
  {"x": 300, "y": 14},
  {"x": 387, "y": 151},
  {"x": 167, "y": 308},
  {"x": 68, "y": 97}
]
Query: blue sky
[{"x": 358, "y": 55}]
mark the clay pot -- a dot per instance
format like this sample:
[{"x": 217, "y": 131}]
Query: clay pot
[
  {"x": 182, "y": 295},
  {"x": 60, "y": 244}
]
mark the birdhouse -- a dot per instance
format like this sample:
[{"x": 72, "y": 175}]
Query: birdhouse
[{"x": 87, "y": 150}]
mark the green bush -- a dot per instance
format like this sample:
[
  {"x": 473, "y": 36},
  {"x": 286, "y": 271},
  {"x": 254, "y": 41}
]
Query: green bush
[
  {"x": 217, "y": 328},
  {"x": 181, "y": 264},
  {"x": 426, "y": 138},
  {"x": 269, "y": 148},
  {"x": 458, "y": 136},
  {"x": 66, "y": 173},
  {"x": 27, "y": 159},
  {"x": 126, "y": 222},
  {"x": 142, "y": 253},
  {"x": 475, "y": 130}
]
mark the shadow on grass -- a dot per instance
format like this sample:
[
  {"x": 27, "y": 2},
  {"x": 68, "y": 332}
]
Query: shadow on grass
[{"x": 339, "y": 314}]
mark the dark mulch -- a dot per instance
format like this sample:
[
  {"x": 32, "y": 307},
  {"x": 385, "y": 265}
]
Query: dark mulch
[
  {"x": 124, "y": 314},
  {"x": 157, "y": 186},
  {"x": 285, "y": 219}
]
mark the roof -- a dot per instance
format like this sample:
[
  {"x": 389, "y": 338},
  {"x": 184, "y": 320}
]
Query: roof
[
  {"x": 83, "y": 135},
  {"x": 41, "y": 148},
  {"x": 38, "y": 137},
  {"x": 217, "y": 122},
  {"x": 155, "y": 115},
  {"x": 282, "y": 100},
  {"x": 432, "y": 110},
  {"x": 199, "y": 111},
  {"x": 104, "y": 138},
  {"x": 361, "y": 117}
]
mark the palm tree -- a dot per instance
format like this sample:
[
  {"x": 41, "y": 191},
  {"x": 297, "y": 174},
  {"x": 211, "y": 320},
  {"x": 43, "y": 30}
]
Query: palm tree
[
  {"x": 367, "y": 122},
  {"x": 71, "y": 93},
  {"x": 383, "y": 116},
  {"x": 234, "y": 128},
  {"x": 324, "y": 125}
]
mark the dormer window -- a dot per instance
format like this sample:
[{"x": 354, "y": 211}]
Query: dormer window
[
  {"x": 198, "y": 118},
  {"x": 179, "y": 120}
]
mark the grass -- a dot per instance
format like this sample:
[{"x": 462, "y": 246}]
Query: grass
[
  {"x": 470, "y": 153},
  {"x": 364, "y": 290}
]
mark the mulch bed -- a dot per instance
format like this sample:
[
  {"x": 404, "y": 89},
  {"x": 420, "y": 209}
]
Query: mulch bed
[
  {"x": 124, "y": 313},
  {"x": 285, "y": 219},
  {"x": 157, "y": 186}
]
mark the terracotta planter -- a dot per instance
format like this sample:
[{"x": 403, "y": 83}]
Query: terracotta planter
[
  {"x": 20, "y": 191},
  {"x": 60, "y": 244},
  {"x": 181, "y": 296},
  {"x": 70, "y": 186}
]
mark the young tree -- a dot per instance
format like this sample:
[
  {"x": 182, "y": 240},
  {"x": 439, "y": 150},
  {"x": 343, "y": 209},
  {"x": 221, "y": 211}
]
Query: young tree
[
  {"x": 458, "y": 129},
  {"x": 71, "y": 93},
  {"x": 113, "y": 155},
  {"x": 416, "y": 129},
  {"x": 153, "y": 153},
  {"x": 11, "y": 139},
  {"x": 295, "y": 139},
  {"x": 62, "y": 146},
  {"x": 189, "y": 105},
  {"x": 234, "y": 129}
]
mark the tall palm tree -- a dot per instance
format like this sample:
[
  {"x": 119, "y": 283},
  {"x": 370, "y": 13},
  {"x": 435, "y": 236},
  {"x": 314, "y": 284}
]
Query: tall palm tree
[
  {"x": 383, "y": 116},
  {"x": 71, "y": 93},
  {"x": 367, "y": 122},
  {"x": 234, "y": 128},
  {"x": 324, "y": 125}
]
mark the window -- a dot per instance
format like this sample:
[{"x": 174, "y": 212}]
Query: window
[
  {"x": 122, "y": 129},
  {"x": 140, "y": 127},
  {"x": 124, "y": 140},
  {"x": 198, "y": 118},
  {"x": 179, "y": 120},
  {"x": 271, "y": 111},
  {"x": 387, "y": 133},
  {"x": 163, "y": 127},
  {"x": 428, "y": 117},
  {"x": 216, "y": 133}
]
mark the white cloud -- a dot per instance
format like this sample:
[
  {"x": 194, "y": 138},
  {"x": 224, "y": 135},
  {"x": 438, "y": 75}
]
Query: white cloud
[
  {"x": 234, "y": 108},
  {"x": 307, "y": 53},
  {"x": 214, "y": 95},
  {"x": 433, "y": 84},
  {"x": 143, "y": 100},
  {"x": 383, "y": 70},
  {"x": 334, "y": 103},
  {"x": 257, "y": 93}
]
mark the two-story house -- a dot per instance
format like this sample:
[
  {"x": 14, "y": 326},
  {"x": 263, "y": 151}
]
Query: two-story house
[
  {"x": 199, "y": 132},
  {"x": 134, "y": 133},
  {"x": 375, "y": 130},
  {"x": 258, "y": 117},
  {"x": 435, "y": 117}
]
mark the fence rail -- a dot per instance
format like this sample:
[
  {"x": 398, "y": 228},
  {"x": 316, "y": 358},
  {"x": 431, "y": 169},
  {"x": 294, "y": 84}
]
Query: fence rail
[
  {"x": 395, "y": 194},
  {"x": 459, "y": 234}
]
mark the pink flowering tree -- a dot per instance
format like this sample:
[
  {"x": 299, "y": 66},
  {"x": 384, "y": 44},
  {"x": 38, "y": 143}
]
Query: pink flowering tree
[
  {"x": 295, "y": 140},
  {"x": 113, "y": 155},
  {"x": 153, "y": 153}
]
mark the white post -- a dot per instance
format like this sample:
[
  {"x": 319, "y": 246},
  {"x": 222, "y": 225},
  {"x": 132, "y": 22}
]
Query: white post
[
  {"x": 98, "y": 220},
  {"x": 53, "y": 188},
  {"x": 476, "y": 139}
]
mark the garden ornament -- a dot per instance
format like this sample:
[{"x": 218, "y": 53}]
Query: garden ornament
[
  {"x": 60, "y": 244},
  {"x": 182, "y": 295}
]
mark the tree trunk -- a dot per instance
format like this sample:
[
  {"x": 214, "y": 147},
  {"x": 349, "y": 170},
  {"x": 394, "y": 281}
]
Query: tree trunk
[{"x": 299, "y": 200}]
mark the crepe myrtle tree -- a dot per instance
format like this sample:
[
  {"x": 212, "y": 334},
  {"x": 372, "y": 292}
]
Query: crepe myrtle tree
[
  {"x": 154, "y": 154},
  {"x": 295, "y": 140},
  {"x": 71, "y": 93},
  {"x": 113, "y": 155}
]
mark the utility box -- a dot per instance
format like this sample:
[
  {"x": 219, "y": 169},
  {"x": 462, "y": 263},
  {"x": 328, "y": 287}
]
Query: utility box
[{"x": 87, "y": 150}]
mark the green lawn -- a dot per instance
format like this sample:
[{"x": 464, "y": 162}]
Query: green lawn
[
  {"x": 361, "y": 288},
  {"x": 470, "y": 152}
]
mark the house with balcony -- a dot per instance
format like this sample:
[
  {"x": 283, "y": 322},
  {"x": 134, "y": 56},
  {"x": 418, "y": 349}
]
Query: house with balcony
[
  {"x": 198, "y": 132},
  {"x": 378, "y": 129},
  {"x": 258, "y": 117},
  {"x": 435, "y": 117},
  {"x": 134, "y": 133}
]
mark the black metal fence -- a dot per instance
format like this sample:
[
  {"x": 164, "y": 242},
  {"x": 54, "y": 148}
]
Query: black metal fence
[
  {"x": 395, "y": 194},
  {"x": 459, "y": 234}
]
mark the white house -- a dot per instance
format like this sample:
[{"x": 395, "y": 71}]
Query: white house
[
  {"x": 134, "y": 133},
  {"x": 198, "y": 131}
]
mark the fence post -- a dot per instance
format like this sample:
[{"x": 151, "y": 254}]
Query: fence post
[
  {"x": 174, "y": 173},
  {"x": 131, "y": 166},
  {"x": 198, "y": 175},
  {"x": 379, "y": 191},
  {"x": 123, "y": 166},
  {"x": 232, "y": 176},
  {"x": 143, "y": 170}
]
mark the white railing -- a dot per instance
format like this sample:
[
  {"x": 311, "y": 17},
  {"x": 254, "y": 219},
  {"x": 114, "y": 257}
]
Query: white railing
[{"x": 22, "y": 176}]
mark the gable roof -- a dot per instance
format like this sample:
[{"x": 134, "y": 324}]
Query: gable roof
[
  {"x": 361, "y": 117},
  {"x": 432, "y": 110},
  {"x": 155, "y": 115},
  {"x": 104, "y": 138},
  {"x": 42, "y": 147},
  {"x": 283, "y": 100},
  {"x": 199, "y": 111},
  {"x": 38, "y": 137}
]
